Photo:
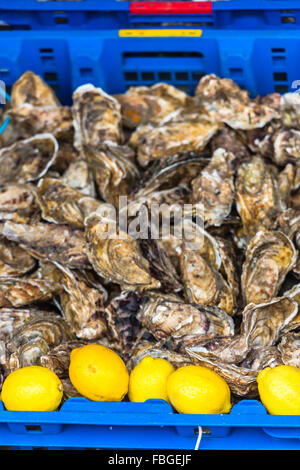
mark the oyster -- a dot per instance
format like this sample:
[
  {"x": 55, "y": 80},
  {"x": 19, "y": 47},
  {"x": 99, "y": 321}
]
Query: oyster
[
  {"x": 269, "y": 257},
  {"x": 113, "y": 170},
  {"x": 146, "y": 348},
  {"x": 35, "y": 338},
  {"x": 214, "y": 188},
  {"x": 18, "y": 203},
  {"x": 57, "y": 359},
  {"x": 32, "y": 120},
  {"x": 242, "y": 381},
  {"x": 59, "y": 243},
  {"x": 231, "y": 142},
  {"x": 141, "y": 105},
  {"x": 118, "y": 258},
  {"x": 225, "y": 101},
  {"x": 27, "y": 160},
  {"x": 62, "y": 204},
  {"x": 31, "y": 89},
  {"x": 81, "y": 305},
  {"x": 16, "y": 292},
  {"x": 259, "y": 358},
  {"x": 289, "y": 348},
  {"x": 167, "y": 317},
  {"x": 12, "y": 319},
  {"x": 204, "y": 284},
  {"x": 14, "y": 261},
  {"x": 97, "y": 118},
  {"x": 153, "y": 143},
  {"x": 79, "y": 177},
  {"x": 263, "y": 323},
  {"x": 258, "y": 199}
]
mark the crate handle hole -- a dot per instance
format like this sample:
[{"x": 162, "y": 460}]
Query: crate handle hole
[
  {"x": 288, "y": 19},
  {"x": 204, "y": 431},
  {"x": 33, "y": 427}
]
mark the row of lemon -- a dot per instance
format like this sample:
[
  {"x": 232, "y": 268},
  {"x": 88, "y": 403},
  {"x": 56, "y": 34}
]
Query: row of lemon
[{"x": 98, "y": 373}]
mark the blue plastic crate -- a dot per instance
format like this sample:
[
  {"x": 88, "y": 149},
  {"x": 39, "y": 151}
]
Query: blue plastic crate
[
  {"x": 114, "y": 14},
  {"x": 83, "y": 424},
  {"x": 263, "y": 62}
]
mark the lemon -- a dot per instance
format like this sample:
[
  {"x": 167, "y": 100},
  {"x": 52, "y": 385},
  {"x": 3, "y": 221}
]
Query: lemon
[
  {"x": 98, "y": 373},
  {"x": 149, "y": 379},
  {"x": 32, "y": 388},
  {"x": 197, "y": 389},
  {"x": 279, "y": 390}
]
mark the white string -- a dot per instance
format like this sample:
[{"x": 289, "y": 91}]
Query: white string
[{"x": 198, "y": 438}]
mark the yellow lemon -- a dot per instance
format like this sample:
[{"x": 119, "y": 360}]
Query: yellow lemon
[
  {"x": 149, "y": 379},
  {"x": 98, "y": 373},
  {"x": 279, "y": 390},
  {"x": 32, "y": 388},
  {"x": 197, "y": 389}
]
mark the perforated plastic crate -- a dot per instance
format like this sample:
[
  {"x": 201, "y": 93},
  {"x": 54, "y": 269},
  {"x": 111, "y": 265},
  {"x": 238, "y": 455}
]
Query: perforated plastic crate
[
  {"x": 263, "y": 62},
  {"x": 113, "y": 14},
  {"x": 82, "y": 424}
]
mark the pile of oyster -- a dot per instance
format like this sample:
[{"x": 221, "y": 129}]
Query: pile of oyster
[{"x": 228, "y": 302}]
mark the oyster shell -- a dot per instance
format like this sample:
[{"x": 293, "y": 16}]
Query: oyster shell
[
  {"x": 35, "y": 338},
  {"x": 118, "y": 258},
  {"x": 79, "y": 177},
  {"x": 14, "y": 261},
  {"x": 31, "y": 89},
  {"x": 242, "y": 381},
  {"x": 289, "y": 348},
  {"x": 114, "y": 171},
  {"x": 214, "y": 188},
  {"x": 81, "y": 305},
  {"x": 141, "y": 105},
  {"x": 146, "y": 348},
  {"x": 27, "y": 160},
  {"x": 204, "y": 284},
  {"x": 59, "y": 243},
  {"x": 62, "y": 204},
  {"x": 225, "y": 101},
  {"x": 262, "y": 324},
  {"x": 18, "y": 203},
  {"x": 259, "y": 358},
  {"x": 258, "y": 196},
  {"x": 269, "y": 257},
  {"x": 97, "y": 118},
  {"x": 167, "y": 317},
  {"x": 190, "y": 134},
  {"x": 16, "y": 292},
  {"x": 57, "y": 359}
]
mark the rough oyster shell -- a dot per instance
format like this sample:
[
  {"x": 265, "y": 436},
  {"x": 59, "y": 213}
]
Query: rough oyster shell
[
  {"x": 174, "y": 137},
  {"x": 141, "y": 105},
  {"x": 18, "y": 203},
  {"x": 166, "y": 317},
  {"x": 97, "y": 118},
  {"x": 27, "y": 160},
  {"x": 59, "y": 243},
  {"x": 289, "y": 347},
  {"x": 118, "y": 258},
  {"x": 259, "y": 201},
  {"x": 62, "y": 204},
  {"x": 269, "y": 257},
  {"x": 31, "y": 89},
  {"x": 214, "y": 188}
]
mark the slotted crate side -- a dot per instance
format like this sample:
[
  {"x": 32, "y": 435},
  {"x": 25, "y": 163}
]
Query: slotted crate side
[
  {"x": 114, "y": 14},
  {"x": 262, "y": 64},
  {"x": 81, "y": 424}
]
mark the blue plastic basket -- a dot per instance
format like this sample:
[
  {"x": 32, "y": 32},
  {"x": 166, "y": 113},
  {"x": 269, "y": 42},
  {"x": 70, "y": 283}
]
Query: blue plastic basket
[
  {"x": 113, "y": 14},
  {"x": 82, "y": 424},
  {"x": 262, "y": 62}
]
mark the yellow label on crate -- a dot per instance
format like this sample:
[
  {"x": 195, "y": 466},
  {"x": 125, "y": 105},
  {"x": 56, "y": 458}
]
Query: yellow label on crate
[{"x": 158, "y": 33}]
